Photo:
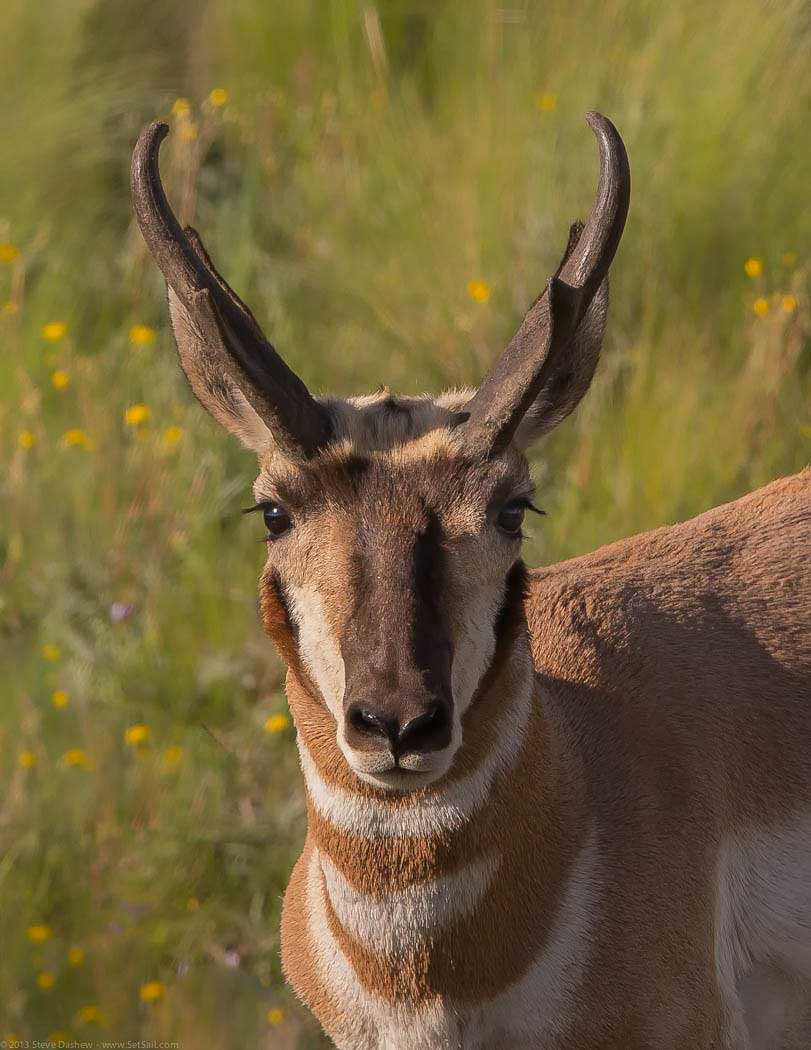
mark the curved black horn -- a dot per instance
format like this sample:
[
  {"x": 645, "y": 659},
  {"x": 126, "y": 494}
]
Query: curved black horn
[
  {"x": 299, "y": 425},
  {"x": 519, "y": 374}
]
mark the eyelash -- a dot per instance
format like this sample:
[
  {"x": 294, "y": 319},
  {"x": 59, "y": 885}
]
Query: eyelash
[{"x": 527, "y": 504}]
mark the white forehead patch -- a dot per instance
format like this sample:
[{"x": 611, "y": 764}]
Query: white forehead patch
[{"x": 380, "y": 422}]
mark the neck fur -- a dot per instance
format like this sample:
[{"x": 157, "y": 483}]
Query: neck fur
[{"x": 447, "y": 890}]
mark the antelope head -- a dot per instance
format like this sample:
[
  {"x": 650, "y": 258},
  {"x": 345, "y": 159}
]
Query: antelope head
[{"x": 393, "y": 523}]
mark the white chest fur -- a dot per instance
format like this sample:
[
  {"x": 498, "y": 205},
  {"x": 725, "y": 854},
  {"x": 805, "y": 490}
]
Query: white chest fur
[{"x": 541, "y": 1005}]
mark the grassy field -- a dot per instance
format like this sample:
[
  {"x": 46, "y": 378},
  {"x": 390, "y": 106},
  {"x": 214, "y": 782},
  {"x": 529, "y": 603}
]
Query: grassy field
[{"x": 389, "y": 185}]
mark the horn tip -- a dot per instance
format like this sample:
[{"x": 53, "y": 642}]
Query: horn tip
[
  {"x": 151, "y": 137},
  {"x": 600, "y": 124},
  {"x": 612, "y": 148}
]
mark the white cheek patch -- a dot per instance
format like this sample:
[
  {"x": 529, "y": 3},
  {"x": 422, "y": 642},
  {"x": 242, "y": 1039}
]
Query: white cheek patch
[
  {"x": 318, "y": 646},
  {"x": 474, "y": 645}
]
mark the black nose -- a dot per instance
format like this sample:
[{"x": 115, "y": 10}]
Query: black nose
[{"x": 428, "y": 731}]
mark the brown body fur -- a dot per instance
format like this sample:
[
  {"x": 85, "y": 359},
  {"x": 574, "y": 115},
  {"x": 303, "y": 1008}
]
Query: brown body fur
[
  {"x": 666, "y": 655},
  {"x": 658, "y": 660}
]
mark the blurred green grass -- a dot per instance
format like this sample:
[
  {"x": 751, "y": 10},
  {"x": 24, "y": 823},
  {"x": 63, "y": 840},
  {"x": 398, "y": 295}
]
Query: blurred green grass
[{"x": 361, "y": 164}]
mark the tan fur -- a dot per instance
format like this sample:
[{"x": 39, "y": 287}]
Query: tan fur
[
  {"x": 560, "y": 810},
  {"x": 627, "y": 792}
]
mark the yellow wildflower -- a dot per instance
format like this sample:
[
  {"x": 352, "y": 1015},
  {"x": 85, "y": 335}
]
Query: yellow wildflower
[
  {"x": 478, "y": 290},
  {"x": 753, "y": 267},
  {"x": 75, "y": 438},
  {"x": 141, "y": 334},
  {"x": 218, "y": 96},
  {"x": 86, "y": 1014},
  {"x": 60, "y": 379},
  {"x": 181, "y": 107},
  {"x": 136, "y": 414},
  {"x": 26, "y": 759},
  {"x": 152, "y": 991},
  {"x": 10, "y": 308},
  {"x": 277, "y": 723},
  {"x": 789, "y": 303},
  {"x": 51, "y": 653},
  {"x": 275, "y": 1016},
  {"x": 45, "y": 981},
  {"x": 54, "y": 331},
  {"x": 76, "y": 956},
  {"x": 26, "y": 439},
  {"x": 789, "y": 258},
  {"x": 137, "y": 734},
  {"x": 8, "y": 253},
  {"x": 60, "y": 698},
  {"x": 39, "y": 933},
  {"x": 74, "y": 756},
  {"x": 547, "y": 101},
  {"x": 172, "y": 756},
  {"x": 761, "y": 306},
  {"x": 171, "y": 436}
]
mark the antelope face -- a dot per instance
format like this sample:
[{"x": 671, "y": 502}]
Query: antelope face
[
  {"x": 393, "y": 523},
  {"x": 390, "y": 553}
]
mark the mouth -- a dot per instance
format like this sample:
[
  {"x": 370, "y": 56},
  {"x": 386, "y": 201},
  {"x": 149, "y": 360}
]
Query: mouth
[
  {"x": 399, "y": 778},
  {"x": 404, "y": 773}
]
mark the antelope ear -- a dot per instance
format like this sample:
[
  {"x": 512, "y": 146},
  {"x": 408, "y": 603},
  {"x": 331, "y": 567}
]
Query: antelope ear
[
  {"x": 214, "y": 389},
  {"x": 568, "y": 382}
]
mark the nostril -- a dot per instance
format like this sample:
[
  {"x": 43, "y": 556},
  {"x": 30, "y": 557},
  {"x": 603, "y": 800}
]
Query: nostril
[
  {"x": 370, "y": 723},
  {"x": 429, "y": 731}
]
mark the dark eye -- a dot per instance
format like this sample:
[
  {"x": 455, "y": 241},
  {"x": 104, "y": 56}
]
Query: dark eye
[
  {"x": 277, "y": 520},
  {"x": 510, "y": 518}
]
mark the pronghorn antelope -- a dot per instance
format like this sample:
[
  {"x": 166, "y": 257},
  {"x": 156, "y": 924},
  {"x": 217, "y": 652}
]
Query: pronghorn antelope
[{"x": 562, "y": 808}]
